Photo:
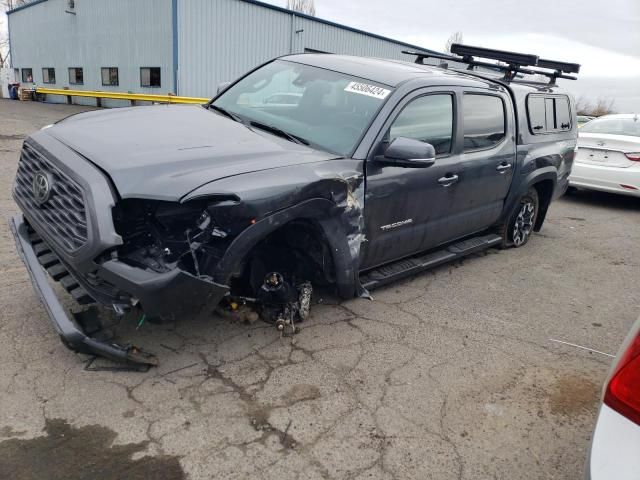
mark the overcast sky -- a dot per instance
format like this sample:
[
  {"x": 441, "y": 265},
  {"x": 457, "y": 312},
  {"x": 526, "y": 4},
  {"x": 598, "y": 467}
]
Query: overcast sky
[{"x": 602, "y": 35}]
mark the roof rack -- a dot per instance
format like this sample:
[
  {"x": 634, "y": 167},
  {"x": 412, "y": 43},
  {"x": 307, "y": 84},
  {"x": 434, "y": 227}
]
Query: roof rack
[
  {"x": 560, "y": 66},
  {"x": 511, "y": 63}
]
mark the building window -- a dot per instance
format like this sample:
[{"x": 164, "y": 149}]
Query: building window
[
  {"x": 150, "y": 76},
  {"x": 76, "y": 76},
  {"x": 27, "y": 75},
  {"x": 48, "y": 75},
  {"x": 484, "y": 121},
  {"x": 110, "y": 76}
]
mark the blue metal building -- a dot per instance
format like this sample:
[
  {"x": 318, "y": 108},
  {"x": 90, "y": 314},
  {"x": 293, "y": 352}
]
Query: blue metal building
[{"x": 186, "y": 47}]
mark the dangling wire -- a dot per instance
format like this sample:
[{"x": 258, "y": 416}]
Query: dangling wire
[{"x": 193, "y": 254}]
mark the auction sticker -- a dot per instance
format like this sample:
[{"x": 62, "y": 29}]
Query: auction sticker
[{"x": 366, "y": 89}]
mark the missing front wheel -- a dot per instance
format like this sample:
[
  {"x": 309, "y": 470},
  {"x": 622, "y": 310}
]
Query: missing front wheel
[{"x": 278, "y": 302}]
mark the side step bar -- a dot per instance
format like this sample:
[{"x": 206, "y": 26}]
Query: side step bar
[{"x": 419, "y": 263}]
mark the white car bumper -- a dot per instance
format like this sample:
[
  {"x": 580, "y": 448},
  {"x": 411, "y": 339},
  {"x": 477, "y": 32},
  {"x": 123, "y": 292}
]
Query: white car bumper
[
  {"x": 615, "y": 449},
  {"x": 606, "y": 179}
]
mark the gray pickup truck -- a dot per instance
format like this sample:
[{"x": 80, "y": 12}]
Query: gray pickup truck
[{"x": 362, "y": 172}]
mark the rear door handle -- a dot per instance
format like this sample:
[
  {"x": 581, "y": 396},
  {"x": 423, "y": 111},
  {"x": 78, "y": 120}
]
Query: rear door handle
[
  {"x": 503, "y": 167},
  {"x": 448, "y": 180}
]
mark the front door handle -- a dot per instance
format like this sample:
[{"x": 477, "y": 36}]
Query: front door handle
[
  {"x": 503, "y": 167},
  {"x": 448, "y": 180}
]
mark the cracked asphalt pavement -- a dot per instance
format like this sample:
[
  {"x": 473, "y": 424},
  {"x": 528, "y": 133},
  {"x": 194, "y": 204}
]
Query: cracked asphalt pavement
[{"x": 448, "y": 375}]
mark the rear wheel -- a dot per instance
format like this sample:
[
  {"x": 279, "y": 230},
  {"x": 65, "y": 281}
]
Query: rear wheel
[{"x": 518, "y": 229}]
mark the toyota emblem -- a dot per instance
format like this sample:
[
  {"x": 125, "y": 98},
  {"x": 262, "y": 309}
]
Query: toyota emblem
[{"x": 41, "y": 187}]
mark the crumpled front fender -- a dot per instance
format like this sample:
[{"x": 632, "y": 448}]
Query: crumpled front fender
[{"x": 329, "y": 216}]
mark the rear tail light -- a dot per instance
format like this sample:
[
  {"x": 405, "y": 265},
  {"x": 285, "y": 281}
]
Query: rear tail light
[
  {"x": 623, "y": 391},
  {"x": 635, "y": 156}
]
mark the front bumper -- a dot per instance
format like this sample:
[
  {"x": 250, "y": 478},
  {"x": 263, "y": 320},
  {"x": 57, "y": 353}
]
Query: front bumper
[{"x": 168, "y": 295}]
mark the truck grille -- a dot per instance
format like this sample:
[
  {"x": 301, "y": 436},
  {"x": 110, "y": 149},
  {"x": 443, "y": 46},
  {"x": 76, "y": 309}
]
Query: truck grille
[{"x": 63, "y": 214}]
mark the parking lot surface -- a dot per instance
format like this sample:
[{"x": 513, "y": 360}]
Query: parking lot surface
[{"x": 448, "y": 375}]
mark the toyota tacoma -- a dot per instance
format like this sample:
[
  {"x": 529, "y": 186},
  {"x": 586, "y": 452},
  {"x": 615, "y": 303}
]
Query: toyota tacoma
[{"x": 380, "y": 169}]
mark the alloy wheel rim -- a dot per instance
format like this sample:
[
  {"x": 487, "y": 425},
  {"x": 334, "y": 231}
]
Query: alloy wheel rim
[{"x": 524, "y": 223}]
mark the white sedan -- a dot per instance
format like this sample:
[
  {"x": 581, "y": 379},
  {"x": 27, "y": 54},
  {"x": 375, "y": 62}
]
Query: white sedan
[
  {"x": 608, "y": 156},
  {"x": 615, "y": 448}
]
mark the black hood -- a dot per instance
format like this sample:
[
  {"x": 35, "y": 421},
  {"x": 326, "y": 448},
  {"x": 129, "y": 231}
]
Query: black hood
[{"x": 166, "y": 151}]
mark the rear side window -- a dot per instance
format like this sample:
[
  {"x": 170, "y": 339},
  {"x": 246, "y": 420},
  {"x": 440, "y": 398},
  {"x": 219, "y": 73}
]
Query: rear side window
[
  {"x": 428, "y": 119},
  {"x": 483, "y": 119},
  {"x": 563, "y": 117},
  {"x": 548, "y": 113},
  {"x": 537, "y": 114}
]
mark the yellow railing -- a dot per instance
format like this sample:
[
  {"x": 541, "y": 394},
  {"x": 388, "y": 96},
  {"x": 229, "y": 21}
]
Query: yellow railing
[{"x": 132, "y": 97}]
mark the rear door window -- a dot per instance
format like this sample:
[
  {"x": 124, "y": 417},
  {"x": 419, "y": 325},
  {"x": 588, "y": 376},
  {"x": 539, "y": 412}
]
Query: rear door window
[{"x": 483, "y": 120}]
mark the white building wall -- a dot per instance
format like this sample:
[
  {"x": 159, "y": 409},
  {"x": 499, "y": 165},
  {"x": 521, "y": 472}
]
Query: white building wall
[
  {"x": 219, "y": 40},
  {"x": 6, "y": 77},
  {"x": 127, "y": 34}
]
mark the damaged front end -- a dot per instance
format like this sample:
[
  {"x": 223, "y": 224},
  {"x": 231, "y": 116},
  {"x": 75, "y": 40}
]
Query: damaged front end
[
  {"x": 161, "y": 268},
  {"x": 167, "y": 258},
  {"x": 184, "y": 244}
]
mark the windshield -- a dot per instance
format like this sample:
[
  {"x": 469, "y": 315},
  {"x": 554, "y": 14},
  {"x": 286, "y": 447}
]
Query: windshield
[
  {"x": 614, "y": 126},
  {"x": 326, "y": 109}
]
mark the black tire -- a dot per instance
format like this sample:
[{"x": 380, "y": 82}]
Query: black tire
[{"x": 519, "y": 228}]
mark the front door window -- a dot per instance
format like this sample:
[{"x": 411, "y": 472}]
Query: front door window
[{"x": 429, "y": 119}]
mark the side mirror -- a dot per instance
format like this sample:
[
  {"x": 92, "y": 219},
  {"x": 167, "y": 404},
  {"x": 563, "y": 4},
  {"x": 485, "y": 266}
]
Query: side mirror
[
  {"x": 408, "y": 152},
  {"x": 222, "y": 87}
]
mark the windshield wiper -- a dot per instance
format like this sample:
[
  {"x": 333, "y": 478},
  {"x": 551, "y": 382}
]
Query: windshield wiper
[
  {"x": 232, "y": 116},
  {"x": 277, "y": 131}
]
